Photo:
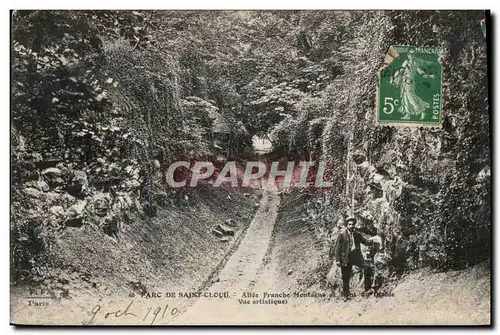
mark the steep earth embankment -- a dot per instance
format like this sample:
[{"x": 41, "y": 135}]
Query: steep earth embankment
[{"x": 176, "y": 250}]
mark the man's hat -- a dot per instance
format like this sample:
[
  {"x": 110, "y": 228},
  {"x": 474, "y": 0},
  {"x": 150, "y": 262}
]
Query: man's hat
[{"x": 350, "y": 218}]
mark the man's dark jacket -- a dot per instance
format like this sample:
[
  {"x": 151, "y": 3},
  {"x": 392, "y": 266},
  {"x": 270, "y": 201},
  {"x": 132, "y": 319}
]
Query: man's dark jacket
[{"x": 343, "y": 248}]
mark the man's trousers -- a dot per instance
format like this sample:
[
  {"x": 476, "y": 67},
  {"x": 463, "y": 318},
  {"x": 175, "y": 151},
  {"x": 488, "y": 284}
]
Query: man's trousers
[{"x": 346, "y": 276}]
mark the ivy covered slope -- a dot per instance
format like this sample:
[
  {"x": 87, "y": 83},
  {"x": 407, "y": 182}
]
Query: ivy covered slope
[
  {"x": 101, "y": 103},
  {"x": 427, "y": 190}
]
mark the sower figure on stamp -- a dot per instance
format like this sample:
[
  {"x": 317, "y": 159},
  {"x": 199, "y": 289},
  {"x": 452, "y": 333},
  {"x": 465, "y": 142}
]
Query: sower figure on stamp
[{"x": 348, "y": 253}]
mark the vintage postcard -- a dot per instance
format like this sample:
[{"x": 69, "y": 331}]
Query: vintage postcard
[{"x": 231, "y": 167}]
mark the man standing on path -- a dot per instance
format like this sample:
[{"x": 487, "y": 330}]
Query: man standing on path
[{"x": 348, "y": 253}]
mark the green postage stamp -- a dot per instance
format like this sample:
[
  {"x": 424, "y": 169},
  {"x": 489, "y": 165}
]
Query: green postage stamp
[{"x": 410, "y": 87}]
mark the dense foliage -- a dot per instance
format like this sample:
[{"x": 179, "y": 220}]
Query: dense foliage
[{"x": 102, "y": 101}]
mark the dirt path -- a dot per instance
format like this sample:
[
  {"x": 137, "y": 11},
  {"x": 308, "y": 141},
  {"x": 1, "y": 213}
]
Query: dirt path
[
  {"x": 266, "y": 264},
  {"x": 241, "y": 270}
]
